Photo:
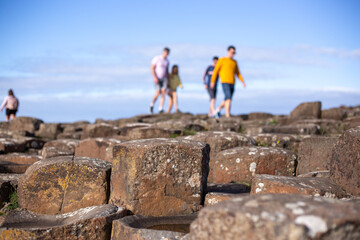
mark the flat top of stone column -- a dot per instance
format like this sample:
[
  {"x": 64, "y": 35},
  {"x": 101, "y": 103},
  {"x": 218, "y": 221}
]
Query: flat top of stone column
[
  {"x": 27, "y": 219},
  {"x": 162, "y": 141},
  {"x": 276, "y": 206},
  {"x": 91, "y": 162}
]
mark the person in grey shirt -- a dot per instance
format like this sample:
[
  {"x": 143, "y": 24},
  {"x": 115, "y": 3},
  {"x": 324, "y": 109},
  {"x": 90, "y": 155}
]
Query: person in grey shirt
[{"x": 160, "y": 73}]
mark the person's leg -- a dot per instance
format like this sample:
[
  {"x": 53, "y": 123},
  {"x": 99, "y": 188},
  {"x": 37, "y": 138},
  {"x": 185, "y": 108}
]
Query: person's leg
[
  {"x": 12, "y": 116},
  {"x": 7, "y": 118},
  {"x": 157, "y": 93},
  {"x": 170, "y": 102},
  {"x": 212, "y": 107},
  {"x": 162, "y": 99},
  {"x": 227, "y": 107},
  {"x": 228, "y": 100},
  {"x": 174, "y": 95}
]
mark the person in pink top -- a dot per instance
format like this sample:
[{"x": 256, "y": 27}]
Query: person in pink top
[
  {"x": 160, "y": 73},
  {"x": 11, "y": 103}
]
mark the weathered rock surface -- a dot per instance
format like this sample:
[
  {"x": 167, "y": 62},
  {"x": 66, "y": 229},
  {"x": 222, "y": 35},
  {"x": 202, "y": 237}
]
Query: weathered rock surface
[
  {"x": 86, "y": 223},
  {"x": 300, "y": 128},
  {"x": 220, "y": 141},
  {"x": 48, "y": 130},
  {"x": 322, "y": 174},
  {"x": 345, "y": 161},
  {"x": 150, "y": 132},
  {"x": 7, "y": 186},
  {"x": 25, "y": 124},
  {"x": 351, "y": 122},
  {"x": 215, "y": 197},
  {"x": 124, "y": 129},
  {"x": 259, "y": 116},
  {"x": 233, "y": 124},
  {"x": 334, "y": 113},
  {"x": 64, "y": 184},
  {"x": 139, "y": 227},
  {"x": 314, "y": 154},
  {"x": 17, "y": 162},
  {"x": 263, "y": 184},
  {"x": 159, "y": 177},
  {"x": 100, "y": 130},
  {"x": 100, "y": 148},
  {"x": 242, "y": 163},
  {"x": 8, "y": 145},
  {"x": 51, "y": 152},
  {"x": 66, "y": 144},
  {"x": 60, "y": 147},
  {"x": 278, "y": 216},
  {"x": 288, "y": 141},
  {"x": 306, "y": 110}
]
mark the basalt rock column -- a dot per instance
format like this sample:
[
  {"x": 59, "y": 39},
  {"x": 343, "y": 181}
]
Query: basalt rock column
[{"x": 160, "y": 177}]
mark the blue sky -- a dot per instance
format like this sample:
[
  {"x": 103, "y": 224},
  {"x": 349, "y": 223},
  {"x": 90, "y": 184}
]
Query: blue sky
[{"x": 82, "y": 60}]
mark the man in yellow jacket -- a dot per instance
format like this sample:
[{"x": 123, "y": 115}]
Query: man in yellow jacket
[{"x": 226, "y": 68}]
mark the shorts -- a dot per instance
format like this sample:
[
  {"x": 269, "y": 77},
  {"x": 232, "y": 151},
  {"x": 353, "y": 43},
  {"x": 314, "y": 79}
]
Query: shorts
[
  {"x": 212, "y": 92},
  {"x": 162, "y": 84},
  {"x": 10, "y": 111},
  {"x": 228, "y": 90}
]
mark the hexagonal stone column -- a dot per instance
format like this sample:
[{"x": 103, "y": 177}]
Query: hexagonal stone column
[
  {"x": 242, "y": 163},
  {"x": 64, "y": 184},
  {"x": 86, "y": 223},
  {"x": 278, "y": 216},
  {"x": 160, "y": 177},
  {"x": 345, "y": 161}
]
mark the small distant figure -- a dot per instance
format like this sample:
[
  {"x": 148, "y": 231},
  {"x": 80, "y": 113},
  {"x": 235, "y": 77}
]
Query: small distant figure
[
  {"x": 174, "y": 82},
  {"x": 160, "y": 72},
  {"x": 11, "y": 103},
  {"x": 212, "y": 91},
  {"x": 226, "y": 68}
]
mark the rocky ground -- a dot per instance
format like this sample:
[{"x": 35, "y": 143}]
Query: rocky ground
[{"x": 183, "y": 176}]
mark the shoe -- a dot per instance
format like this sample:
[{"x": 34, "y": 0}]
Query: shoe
[
  {"x": 151, "y": 109},
  {"x": 217, "y": 115},
  {"x": 161, "y": 111},
  {"x": 178, "y": 111}
]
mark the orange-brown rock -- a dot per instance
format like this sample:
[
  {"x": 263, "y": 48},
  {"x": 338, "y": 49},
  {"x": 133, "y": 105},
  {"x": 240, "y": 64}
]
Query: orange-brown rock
[
  {"x": 242, "y": 163},
  {"x": 100, "y": 130},
  {"x": 314, "y": 154},
  {"x": 150, "y": 132},
  {"x": 334, "y": 113},
  {"x": 101, "y": 148},
  {"x": 263, "y": 184},
  {"x": 17, "y": 162},
  {"x": 51, "y": 152},
  {"x": 66, "y": 144},
  {"x": 87, "y": 223},
  {"x": 215, "y": 197},
  {"x": 277, "y": 217},
  {"x": 159, "y": 177},
  {"x": 345, "y": 161},
  {"x": 220, "y": 141},
  {"x": 64, "y": 184},
  {"x": 8, "y": 145},
  {"x": 306, "y": 110}
]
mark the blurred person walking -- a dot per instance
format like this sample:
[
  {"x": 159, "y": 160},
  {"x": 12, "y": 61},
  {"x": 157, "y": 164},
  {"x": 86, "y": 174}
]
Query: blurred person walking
[
  {"x": 174, "y": 83},
  {"x": 160, "y": 73},
  {"x": 11, "y": 103},
  {"x": 226, "y": 68},
  {"x": 212, "y": 91}
]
